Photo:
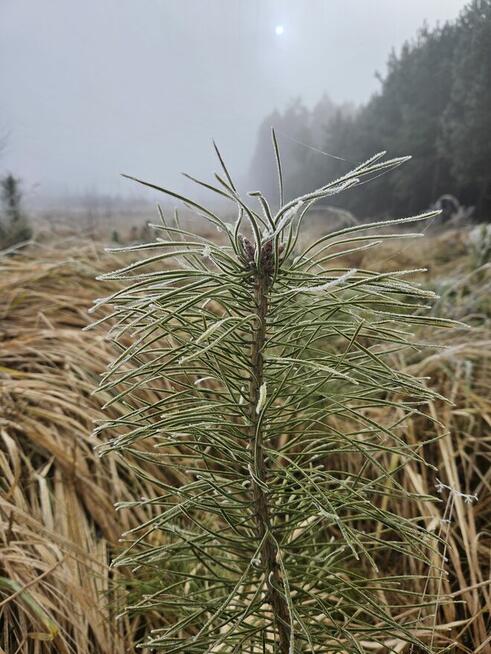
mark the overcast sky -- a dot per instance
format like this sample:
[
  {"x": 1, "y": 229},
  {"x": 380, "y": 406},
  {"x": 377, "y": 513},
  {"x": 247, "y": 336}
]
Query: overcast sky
[{"x": 93, "y": 88}]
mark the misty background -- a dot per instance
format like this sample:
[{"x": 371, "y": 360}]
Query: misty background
[{"x": 93, "y": 89}]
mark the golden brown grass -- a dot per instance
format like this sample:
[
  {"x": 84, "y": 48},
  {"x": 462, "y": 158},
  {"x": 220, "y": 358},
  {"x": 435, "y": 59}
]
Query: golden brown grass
[
  {"x": 57, "y": 521},
  {"x": 58, "y": 528}
]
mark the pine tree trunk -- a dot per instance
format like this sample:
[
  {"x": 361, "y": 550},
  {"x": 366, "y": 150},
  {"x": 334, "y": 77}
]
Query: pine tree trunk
[{"x": 260, "y": 467}]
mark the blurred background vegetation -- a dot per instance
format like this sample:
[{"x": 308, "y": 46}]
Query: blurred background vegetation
[{"x": 434, "y": 103}]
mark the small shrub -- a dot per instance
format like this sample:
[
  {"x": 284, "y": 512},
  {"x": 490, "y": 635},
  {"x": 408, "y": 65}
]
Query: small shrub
[
  {"x": 480, "y": 245},
  {"x": 14, "y": 225}
]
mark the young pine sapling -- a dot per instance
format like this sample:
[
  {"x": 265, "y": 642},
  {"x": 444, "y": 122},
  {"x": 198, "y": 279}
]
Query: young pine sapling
[{"x": 267, "y": 362}]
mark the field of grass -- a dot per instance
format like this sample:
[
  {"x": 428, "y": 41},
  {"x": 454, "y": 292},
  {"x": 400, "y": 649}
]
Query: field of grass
[{"x": 58, "y": 527}]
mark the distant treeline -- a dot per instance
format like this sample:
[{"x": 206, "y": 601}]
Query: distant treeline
[{"x": 434, "y": 103}]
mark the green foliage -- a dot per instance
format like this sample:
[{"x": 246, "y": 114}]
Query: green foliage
[
  {"x": 435, "y": 101},
  {"x": 467, "y": 119},
  {"x": 14, "y": 227},
  {"x": 267, "y": 365}
]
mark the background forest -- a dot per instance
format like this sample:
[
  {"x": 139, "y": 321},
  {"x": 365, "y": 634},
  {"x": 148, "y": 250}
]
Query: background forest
[{"x": 434, "y": 102}]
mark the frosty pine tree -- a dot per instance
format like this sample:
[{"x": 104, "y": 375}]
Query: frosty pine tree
[{"x": 264, "y": 360}]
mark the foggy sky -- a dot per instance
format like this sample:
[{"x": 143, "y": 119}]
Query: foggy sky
[{"x": 94, "y": 88}]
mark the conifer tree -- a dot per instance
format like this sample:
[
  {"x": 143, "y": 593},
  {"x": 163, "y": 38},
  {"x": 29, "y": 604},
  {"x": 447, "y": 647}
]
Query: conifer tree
[
  {"x": 14, "y": 226},
  {"x": 266, "y": 360}
]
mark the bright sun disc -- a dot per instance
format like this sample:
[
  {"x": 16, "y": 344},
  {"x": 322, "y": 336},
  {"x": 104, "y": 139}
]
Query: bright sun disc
[{"x": 279, "y": 30}]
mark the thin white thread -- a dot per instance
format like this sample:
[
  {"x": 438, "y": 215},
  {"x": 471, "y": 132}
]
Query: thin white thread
[{"x": 311, "y": 147}]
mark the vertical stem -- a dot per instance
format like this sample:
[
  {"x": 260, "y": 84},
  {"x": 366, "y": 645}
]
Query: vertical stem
[{"x": 260, "y": 497}]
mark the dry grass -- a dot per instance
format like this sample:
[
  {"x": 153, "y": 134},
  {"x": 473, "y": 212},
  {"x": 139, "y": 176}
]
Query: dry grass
[
  {"x": 58, "y": 527},
  {"x": 460, "y": 369},
  {"x": 58, "y": 524}
]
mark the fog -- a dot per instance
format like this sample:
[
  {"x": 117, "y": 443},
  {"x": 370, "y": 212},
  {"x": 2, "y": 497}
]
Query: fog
[{"x": 91, "y": 89}]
